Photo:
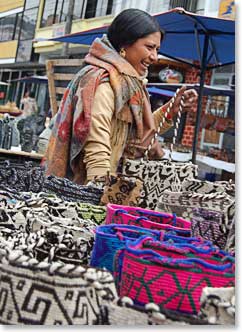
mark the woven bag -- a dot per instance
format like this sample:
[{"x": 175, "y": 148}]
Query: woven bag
[
  {"x": 218, "y": 305},
  {"x": 124, "y": 313},
  {"x": 121, "y": 189},
  {"x": 182, "y": 203},
  {"x": 169, "y": 276},
  {"x": 208, "y": 187},
  {"x": 159, "y": 175},
  {"x": 110, "y": 238},
  {"x": 21, "y": 177},
  {"x": 69, "y": 191},
  {"x": 207, "y": 224},
  {"x": 52, "y": 242},
  {"x": 118, "y": 214},
  {"x": 41, "y": 293},
  {"x": 75, "y": 210}
]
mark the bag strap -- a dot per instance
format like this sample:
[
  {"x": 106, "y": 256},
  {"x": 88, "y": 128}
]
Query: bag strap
[{"x": 161, "y": 124}]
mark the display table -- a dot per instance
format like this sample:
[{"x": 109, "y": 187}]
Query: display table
[
  {"x": 212, "y": 162},
  {"x": 20, "y": 155}
]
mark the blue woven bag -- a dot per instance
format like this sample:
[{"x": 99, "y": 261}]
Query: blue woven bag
[{"x": 110, "y": 238}]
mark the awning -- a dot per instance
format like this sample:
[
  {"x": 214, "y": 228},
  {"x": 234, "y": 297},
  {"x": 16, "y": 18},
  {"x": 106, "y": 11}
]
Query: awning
[
  {"x": 161, "y": 92},
  {"x": 185, "y": 35},
  {"x": 31, "y": 79},
  {"x": 3, "y": 83},
  {"x": 208, "y": 90}
]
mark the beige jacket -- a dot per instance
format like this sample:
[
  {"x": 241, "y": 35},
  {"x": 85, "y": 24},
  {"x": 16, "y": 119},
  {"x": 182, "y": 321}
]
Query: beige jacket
[{"x": 104, "y": 146}]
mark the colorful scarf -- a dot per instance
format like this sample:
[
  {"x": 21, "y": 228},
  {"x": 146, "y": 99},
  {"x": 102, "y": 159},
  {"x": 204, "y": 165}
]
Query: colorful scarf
[{"x": 72, "y": 124}]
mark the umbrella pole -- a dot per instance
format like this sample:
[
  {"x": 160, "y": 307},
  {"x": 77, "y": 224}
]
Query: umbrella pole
[{"x": 200, "y": 98}]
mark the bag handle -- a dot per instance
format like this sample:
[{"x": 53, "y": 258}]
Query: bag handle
[
  {"x": 161, "y": 124},
  {"x": 134, "y": 248}
]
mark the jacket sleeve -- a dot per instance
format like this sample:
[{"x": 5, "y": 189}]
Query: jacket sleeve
[
  {"x": 158, "y": 116},
  {"x": 97, "y": 149}
]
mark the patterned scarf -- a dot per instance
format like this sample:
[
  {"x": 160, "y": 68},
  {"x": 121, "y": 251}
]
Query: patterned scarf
[{"x": 72, "y": 124}]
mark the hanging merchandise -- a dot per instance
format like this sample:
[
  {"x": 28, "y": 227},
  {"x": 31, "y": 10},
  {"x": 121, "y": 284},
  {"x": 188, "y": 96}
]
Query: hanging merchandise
[
  {"x": 170, "y": 276},
  {"x": 121, "y": 189},
  {"x": 208, "y": 121},
  {"x": 7, "y": 133},
  {"x": 147, "y": 219},
  {"x": 160, "y": 175},
  {"x": 225, "y": 125},
  {"x": 169, "y": 75}
]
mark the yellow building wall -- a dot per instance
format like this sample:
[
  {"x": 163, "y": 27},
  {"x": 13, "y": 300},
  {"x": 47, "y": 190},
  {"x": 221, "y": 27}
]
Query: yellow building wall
[
  {"x": 8, "y": 49},
  {"x": 77, "y": 26},
  {"x": 6, "y": 5}
]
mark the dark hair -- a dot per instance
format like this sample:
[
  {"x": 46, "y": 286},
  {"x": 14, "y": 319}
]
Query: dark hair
[
  {"x": 130, "y": 25},
  {"x": 31, "y": 94}
]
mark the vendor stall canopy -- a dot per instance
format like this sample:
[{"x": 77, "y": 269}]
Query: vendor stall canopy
[
  {"x": 31, "y": 79},
  {"x": 185, "y": 35}
]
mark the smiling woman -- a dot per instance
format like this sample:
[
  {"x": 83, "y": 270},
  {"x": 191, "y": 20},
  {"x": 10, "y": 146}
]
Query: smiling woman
[{"x": 105, "y": 110}]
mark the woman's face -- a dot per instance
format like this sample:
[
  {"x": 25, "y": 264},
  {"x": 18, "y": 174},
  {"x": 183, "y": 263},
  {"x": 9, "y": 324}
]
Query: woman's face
[{"x": 143, "y": 52}]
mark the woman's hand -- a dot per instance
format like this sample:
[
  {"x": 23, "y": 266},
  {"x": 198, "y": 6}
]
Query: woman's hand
[{"x": 189, "y": 101}]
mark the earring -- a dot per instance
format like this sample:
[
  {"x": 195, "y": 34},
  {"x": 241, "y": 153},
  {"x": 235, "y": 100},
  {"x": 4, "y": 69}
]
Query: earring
[{"x": 122, "y": 52}]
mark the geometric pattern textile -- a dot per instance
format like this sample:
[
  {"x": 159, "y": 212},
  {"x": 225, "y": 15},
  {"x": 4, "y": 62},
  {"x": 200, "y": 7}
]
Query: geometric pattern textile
[
  {"x": 52, "y": 294},
  {"x": 173, "y": 280},
  {"x": 218, "y": 305},
  {"x": 158, "y": 176}
]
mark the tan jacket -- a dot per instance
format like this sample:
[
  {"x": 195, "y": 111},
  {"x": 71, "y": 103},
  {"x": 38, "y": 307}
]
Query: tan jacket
[{"x": 107, "y": 138}]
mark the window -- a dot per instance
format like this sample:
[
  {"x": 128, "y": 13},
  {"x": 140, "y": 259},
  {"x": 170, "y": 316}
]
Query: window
[
  {"x": 24, "y": 51},
  {"x": 63, "y": 10},
  {"x": 28, "y": 24},
  {"x": 189, "y": 5},
  {"x": 9, "y": 27},
  {"x": 78, "y": 9},
  {"x": 31, "y": 4},
  {"x": 55, "y": 11},
  {"x": 27, "y": 31},
  {"x": 91, "y": 9}
]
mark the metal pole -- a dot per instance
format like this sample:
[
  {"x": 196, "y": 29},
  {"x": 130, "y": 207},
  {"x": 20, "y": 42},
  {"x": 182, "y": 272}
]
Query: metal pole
[
  {"x": 68, "y": 25},
  {"x": 200, "y": 97}
]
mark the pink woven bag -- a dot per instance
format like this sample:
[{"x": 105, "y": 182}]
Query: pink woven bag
[
  {"x": 171, "y": 277},
  {"x": 128, "y": 215}
]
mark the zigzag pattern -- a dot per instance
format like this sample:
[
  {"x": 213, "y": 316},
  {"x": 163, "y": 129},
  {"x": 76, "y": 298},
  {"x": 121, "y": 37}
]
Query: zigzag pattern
[{"x": 158, "y": 176}]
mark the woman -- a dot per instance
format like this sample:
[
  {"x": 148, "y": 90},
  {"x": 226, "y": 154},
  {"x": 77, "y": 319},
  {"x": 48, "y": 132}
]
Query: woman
[
  {"x": 29, "y": 104},
  {"x": 105, "y": 113}
]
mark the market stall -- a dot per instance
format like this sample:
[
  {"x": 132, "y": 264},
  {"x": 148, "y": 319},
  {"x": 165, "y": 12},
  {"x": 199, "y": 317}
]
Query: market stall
[{"x": 153, "y": 245}]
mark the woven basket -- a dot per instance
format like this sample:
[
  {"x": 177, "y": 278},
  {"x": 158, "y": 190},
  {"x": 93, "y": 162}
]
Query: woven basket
[
  {"x": 110, "y": 238},
  {"x": 41, "y": 293},
  {"x": 174, "y": 280},
  {"x": 119, "y": 214},
  {"x": 207, "y": 224}
]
